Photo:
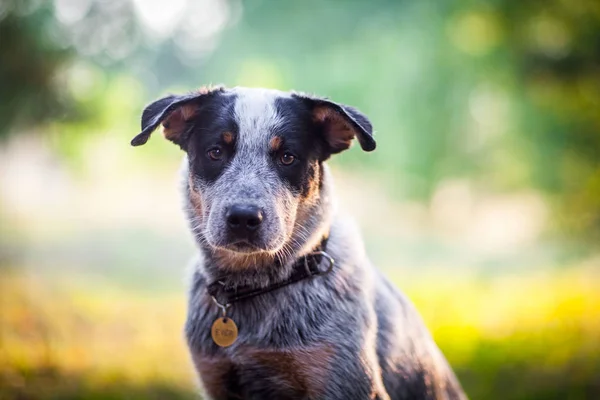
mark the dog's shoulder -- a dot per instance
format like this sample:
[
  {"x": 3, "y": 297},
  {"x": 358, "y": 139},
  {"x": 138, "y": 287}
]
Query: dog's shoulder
[{"x": 405, "y": 345}]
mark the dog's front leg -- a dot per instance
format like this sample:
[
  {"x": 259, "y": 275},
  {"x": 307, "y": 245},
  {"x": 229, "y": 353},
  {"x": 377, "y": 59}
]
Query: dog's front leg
[{"x": 355, "y": 375}]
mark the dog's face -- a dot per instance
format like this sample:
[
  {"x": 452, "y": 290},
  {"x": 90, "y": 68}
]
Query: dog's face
[{"x": 255, "y": 161}]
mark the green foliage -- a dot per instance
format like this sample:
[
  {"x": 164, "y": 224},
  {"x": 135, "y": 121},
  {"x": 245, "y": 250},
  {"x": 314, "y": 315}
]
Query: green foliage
[
  {"x": 504, "y": 94},
  {"x": 554, "y": 46},
  {"x": 31, "y": 59}
]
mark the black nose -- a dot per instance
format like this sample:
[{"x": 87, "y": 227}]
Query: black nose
[{"x": 244, "y": 219}]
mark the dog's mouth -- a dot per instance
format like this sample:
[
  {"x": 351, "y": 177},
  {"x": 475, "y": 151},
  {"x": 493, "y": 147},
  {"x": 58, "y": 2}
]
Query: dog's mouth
[
  {"x": 245, "y": 246},
  {"x": 248, "y": 247}
]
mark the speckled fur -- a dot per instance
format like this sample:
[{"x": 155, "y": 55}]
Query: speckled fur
[{"x": 346, "y": 335}]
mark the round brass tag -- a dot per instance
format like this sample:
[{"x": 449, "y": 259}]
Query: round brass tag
[{"x": 224, "y": 332}]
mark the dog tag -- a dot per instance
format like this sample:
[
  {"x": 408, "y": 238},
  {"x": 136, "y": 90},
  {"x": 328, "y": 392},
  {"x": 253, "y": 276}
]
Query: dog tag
[{"x": 224, "y": 331}]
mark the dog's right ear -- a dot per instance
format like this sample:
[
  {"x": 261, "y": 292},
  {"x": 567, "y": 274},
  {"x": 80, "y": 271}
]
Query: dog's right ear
[
  {"x": 339, "y": 123},
  {"x": 174, "y": 112}
]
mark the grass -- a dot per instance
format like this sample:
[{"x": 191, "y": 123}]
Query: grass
[
  {"x": 80, "y": 337},
  {"x": 529, "y": 336}
]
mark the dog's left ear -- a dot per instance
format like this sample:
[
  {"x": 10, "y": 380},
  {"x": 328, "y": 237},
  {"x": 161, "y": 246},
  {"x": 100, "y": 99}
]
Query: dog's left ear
[
  {"x": 341, "y": 124},
  {"x": 174, "y": 112}
]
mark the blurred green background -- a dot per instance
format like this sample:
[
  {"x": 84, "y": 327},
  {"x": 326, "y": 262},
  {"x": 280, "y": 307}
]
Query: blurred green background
[{"x": 487, "y": 116}]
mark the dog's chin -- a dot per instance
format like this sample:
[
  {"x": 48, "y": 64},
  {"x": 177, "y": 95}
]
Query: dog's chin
[{"x": 245, "y": 247}]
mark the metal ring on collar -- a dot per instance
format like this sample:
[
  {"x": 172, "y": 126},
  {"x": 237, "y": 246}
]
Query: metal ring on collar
[
  {"x": 329, "y": 259},
  {"x": 221, "y": 306}
]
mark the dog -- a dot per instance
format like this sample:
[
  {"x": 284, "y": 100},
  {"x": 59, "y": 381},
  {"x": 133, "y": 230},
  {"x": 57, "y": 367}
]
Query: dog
[{"x": 284, "y": 303}]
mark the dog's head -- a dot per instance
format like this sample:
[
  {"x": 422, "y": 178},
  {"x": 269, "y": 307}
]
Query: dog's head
[{"x": 255, "y": 161}]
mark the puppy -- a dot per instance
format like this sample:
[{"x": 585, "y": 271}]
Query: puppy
[{"x": 284, "y": 303}]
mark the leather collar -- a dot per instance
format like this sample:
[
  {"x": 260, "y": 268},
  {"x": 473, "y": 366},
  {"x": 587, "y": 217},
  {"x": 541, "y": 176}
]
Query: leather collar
[{"x": 305, "y": 267}]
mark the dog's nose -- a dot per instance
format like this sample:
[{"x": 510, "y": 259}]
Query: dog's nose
[{"x": 243, "y": 219}]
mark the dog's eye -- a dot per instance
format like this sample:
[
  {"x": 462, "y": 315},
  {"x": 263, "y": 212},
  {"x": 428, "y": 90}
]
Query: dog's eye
[
  {"x": 215, "y": 154},
  {"x": 287, "y": 158}
]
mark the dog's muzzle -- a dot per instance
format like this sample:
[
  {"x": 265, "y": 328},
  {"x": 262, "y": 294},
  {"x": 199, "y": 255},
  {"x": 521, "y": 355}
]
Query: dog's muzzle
[{"x": 243, "y": 223}]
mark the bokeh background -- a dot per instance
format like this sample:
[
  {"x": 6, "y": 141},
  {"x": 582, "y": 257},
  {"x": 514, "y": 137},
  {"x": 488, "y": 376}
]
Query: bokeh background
[{"x": 482, "y": 201}]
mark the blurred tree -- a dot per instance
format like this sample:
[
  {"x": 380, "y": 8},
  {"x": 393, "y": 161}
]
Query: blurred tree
[
  {"x": 31, "y": 58},
  {"x": 504, "y": 94},
  {"x": 556, "y": 48}
]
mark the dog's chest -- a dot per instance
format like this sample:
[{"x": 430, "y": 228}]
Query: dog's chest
[
  {"x": 250, "y": 372},
  {"x": 291, "y": 317},
  {"x": 280, "y": 351}
]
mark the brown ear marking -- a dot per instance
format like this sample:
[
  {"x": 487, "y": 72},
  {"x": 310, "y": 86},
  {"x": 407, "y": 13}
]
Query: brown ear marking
[
  {"x": 339, "y": 131},
  {"x": 176, "y": 122},
  {"x": 173, "y": 112},
  {"x": 341, "y": 123}
]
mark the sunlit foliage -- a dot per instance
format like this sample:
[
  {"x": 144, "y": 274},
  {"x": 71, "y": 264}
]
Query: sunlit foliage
[{"x": 487, "y": 116}]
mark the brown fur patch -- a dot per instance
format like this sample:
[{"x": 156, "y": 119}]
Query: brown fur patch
[
  {"x": 303, "y": 370},
  {"x": 175, "y": 123},
  {"x": 338, "y": 133},
  {"x": 209, "y": 88},
  {"x": 275, "y": 143},
  {"x": 188, "y": 111},
  {"x": 195, "y": 198},
  {"x": 243, "y": 261},
  {"x": 214, "y": 372},
  {"x": 311, "y": 194},
  {"x": 227, "y": 137}
]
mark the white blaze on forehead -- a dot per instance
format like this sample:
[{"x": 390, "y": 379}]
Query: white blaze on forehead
[{"x": 256, "y": 114}]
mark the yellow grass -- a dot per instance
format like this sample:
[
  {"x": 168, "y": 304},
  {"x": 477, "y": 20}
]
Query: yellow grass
[{"x": 539, "y": 324}]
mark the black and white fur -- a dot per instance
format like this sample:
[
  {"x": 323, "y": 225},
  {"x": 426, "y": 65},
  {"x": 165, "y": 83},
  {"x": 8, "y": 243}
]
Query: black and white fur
[{"x": 346, "y": 335}]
